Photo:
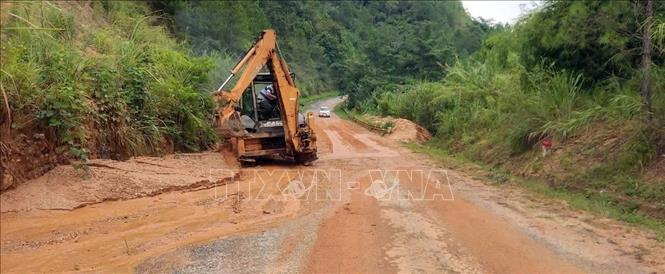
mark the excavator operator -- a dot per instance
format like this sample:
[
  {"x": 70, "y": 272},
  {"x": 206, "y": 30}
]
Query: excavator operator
[{"x": 266, "y": 101}]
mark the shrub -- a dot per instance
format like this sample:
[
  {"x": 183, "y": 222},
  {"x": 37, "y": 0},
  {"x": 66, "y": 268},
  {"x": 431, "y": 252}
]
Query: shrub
[{"x": 120, "y": 83}]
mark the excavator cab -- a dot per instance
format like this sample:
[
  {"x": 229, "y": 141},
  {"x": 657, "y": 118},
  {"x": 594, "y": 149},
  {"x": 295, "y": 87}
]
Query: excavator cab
[
  {"x": 253, "y": 133},
  {"x": 251, "y": 117},
  {"x": 249, "y": 103}
]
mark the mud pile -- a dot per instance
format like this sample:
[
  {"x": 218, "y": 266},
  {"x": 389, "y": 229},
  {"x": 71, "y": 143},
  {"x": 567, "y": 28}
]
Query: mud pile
[
  {"x": 402, "y": 130},
  {"x": 68, "y": 187},
  {"x": 407, "y": 131}
]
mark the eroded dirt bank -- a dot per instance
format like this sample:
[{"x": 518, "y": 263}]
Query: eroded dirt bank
[
  {"x": 367, "y": 213},
  {"x": 68, "y": 187}
]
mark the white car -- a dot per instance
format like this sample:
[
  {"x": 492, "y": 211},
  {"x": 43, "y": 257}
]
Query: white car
[{"x": 324, "y": 112}]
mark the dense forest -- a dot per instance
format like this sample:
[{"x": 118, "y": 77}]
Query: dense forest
[
  {"x": 349, "y": 46},
  {"x": 115, "y": 79}
]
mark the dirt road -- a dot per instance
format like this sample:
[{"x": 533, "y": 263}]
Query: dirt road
[{"x": 368, "y": 205}]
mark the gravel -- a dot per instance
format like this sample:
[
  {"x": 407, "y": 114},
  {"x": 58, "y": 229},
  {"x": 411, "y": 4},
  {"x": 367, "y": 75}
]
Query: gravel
[{"x": 261, "y": 252}]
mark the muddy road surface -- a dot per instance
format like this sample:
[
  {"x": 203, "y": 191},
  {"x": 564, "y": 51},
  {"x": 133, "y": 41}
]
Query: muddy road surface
[{"x": 368, "y": 205}]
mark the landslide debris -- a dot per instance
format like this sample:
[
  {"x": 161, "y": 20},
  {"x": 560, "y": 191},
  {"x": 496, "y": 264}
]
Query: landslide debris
[
  {"x": 400, "y": 129},
  {"x": 68, "y": 187}
]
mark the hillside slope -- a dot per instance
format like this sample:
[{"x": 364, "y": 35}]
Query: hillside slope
[
  {"x": 571, "y": 74},
  {"x": 95, "y": 79}
]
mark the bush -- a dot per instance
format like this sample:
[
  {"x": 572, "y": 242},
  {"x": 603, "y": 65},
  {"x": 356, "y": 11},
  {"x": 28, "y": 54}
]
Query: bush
[{"x": 119, "y": 85}]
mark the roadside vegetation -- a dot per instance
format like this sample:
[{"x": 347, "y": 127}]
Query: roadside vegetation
[
  {"x": 96, "y": 79},
  {"x": 571, "y": 72},
  {"x": 118, "y": 72}
]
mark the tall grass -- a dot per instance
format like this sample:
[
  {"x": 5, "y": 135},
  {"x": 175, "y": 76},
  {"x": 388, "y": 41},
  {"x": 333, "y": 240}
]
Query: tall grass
[
  {"x": 497, "y": 115},
  {"x": 116, "y": 84},
  {"x": 517, "y": 109}
]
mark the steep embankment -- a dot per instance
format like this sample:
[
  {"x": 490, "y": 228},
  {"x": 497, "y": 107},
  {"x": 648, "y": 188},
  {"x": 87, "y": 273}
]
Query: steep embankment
[{"x": 94, "y": 80}]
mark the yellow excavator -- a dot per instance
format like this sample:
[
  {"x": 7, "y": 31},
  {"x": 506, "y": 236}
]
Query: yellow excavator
[{"x": 260, "y": 115}]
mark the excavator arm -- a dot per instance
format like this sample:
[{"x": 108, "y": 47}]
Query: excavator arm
[
  {"x": 299, "y": 138},
  {"x": 255, "y": 58}
]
